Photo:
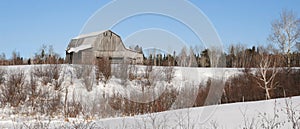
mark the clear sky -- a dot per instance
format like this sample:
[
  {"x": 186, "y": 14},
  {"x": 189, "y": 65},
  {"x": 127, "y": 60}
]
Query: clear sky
[{"x": 27, "y": 24}]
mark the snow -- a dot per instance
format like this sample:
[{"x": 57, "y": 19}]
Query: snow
[
  {"x": 79, "y": 48},
  {"x": 227, "y": 116}
]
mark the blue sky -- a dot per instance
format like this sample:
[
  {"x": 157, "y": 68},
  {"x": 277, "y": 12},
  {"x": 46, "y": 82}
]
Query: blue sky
[{"x": 26, "y": 25}]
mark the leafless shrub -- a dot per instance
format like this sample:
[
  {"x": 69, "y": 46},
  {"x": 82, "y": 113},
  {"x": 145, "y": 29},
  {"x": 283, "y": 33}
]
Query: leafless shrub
[
  {"x": 248, "y": 123},
  {"x": 123, "y": 125},
  {"x": 54, "y": 103},
  {"x": 56, "y": 70},
  {"x": 184, "y": 120},
  {"x": 103, "y": 71},
  {"x": 270, "y": 122},
  {"x": 241, "y": 88},
  {"x": 43, "y": 99},
  {"x": 169, "y": 73},
  {"x": 86, "y": 74},
  {"x": 154, "y": 120},
  {"x": 156, "y": 75},
  {"x": 129, "y": 108},
  {"x": 132, "y": 72},
  {"x": 202, "y": 93},
  {"x": 37, "y": 124},
  {"x": 12, "y": 91},
  {"x": 47, "y": 99},
  {"x": 66, "y": 102},
  {"x": 148, "y": 70},
  {"x": 74, "y": 108},
  {"x": 2, "y": 73},
  {"x": 293, "y": 113},
  {"x": 81, "y": 124},
  {"x": 214, "y": 124},
  {"x": 58, "y": 83},
  {"x": 187, "y": 96},
  {"x": 141, "y": 124},
  {"x": 33, "y": 91},
  {"x": 41, "y": 73},
  {"x": 79, "y": 71},
  {"x": 88, "y": 78},
  {"x": 48, "y": 73}
]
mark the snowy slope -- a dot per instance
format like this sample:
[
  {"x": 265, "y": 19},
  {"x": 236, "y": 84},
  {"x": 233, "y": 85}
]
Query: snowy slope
[{"x": 226, "y": 116}]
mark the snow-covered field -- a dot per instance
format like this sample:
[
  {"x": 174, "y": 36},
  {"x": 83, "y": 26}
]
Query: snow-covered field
[
  {"x": 260, "y": 114},
  {"x": 97, "y": 113}
]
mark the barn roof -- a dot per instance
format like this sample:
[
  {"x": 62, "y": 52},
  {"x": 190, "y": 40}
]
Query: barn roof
[
  {"x": 77, "y": 45},
  {"x": 79, "y": 48},
  {"x": 85, "y": 41},
  {"x": 89, "y": 34},
  {"x": 93, "y": 34}
]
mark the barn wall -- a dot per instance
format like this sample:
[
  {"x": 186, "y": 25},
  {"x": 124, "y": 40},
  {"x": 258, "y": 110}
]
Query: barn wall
[
  {"x": 88, "y": 57},
  {"x": 105, "y": 44},
  {"x": 108, "y": 41},
  {"x": 77, "y": 58}
]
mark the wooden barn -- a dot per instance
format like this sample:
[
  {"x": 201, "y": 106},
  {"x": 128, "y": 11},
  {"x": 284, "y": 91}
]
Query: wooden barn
[{"x": 87, "y": 48}]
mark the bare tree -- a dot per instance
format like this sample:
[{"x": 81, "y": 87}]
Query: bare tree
[
  {"x": 198, "y": 49},
  {"x": 215, "y": 55},
  {"x": 183, "y": 58},
  {"x": 192, "y": 62},
  {"x": 285, "y": 32},
  {"x": 2, "y": 58},
  {"x": 266, "y": 74},
  {"x": 237, "y": 53}
]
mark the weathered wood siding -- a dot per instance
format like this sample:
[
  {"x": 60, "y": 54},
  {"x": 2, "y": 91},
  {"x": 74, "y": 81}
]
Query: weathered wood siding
[{"x": 104, "y": 44}]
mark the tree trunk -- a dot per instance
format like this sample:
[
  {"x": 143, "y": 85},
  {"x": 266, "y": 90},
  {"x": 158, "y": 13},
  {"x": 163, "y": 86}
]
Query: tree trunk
[
  {"x": 268, "y": 94},
  {"x": 289, "y": 59}
]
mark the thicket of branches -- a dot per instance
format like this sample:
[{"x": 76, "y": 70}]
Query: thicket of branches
[
  {"x": 40, "y": 90},
  {"x": 244, "y": 87},
  {"x": 103, "y": 69}
]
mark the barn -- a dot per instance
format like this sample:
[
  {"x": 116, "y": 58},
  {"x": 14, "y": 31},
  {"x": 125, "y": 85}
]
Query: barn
[{"x": 87, "y": 48}]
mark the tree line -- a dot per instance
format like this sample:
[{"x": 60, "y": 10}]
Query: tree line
[
  {"x": 45, "y": 55},
  {"x": 284, "y": 49}
]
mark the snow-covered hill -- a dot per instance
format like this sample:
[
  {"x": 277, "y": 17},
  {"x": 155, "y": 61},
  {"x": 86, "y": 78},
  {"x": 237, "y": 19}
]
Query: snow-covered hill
[
  {"x": 260, "y": 114},
  {"x": 256, "y": 115},
  {"x": 79, "y": 90}
]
